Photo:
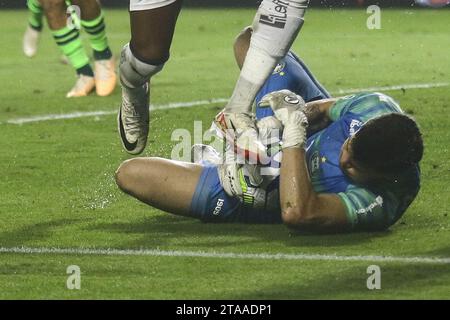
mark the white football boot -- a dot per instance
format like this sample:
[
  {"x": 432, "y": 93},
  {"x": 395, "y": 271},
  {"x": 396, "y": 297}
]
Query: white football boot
[
  {"x": 30, "y": 41},
  {"x": 239, "y": 129},
  {"x": 133, "y": 118}
]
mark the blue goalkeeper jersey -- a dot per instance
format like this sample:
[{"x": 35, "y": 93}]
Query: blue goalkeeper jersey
[{"x": 368, "y": 207}]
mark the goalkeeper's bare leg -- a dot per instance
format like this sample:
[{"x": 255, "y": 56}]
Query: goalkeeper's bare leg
[
  {"x": 161, "y": 183},
  {"x": 180, "y": 188}
]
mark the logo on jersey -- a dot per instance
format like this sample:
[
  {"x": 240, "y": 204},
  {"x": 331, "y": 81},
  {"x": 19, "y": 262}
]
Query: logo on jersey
[
  {"x": 218, "y": 207},
  {"x": 291, "y": 99},
  {"x": 279, "y": 68},
  {"x": 276, "y": 20},
  {"x": 378, "y": 203},
  {"x": 315, "y": 162},
  {"x": 355, "y": 125}
]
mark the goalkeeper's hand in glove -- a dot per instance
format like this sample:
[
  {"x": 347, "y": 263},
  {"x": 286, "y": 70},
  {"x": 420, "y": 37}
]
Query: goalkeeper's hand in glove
[
  {"x": 288, "y": 108},
  {"x": 242, "y": 181}
]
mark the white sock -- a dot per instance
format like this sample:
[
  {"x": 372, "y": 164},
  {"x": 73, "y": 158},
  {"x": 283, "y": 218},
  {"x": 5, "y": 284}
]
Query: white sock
[
  {"x": 275, "y": 27},
  {"x": 135, "y": 73}
]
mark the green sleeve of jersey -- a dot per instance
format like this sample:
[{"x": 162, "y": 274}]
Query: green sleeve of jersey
[
  {"x": 363, "y": 105},
  {"x": 340, "y": 107},
  {"x": 367, "y": 210}
]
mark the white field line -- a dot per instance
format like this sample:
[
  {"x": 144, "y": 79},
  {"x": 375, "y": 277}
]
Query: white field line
[
  {"x": 223, "y": 255},
  {"x": 75, "y": 115},
  {"x": 397, "y": 87},
  {"x": 175, "y": 105}
]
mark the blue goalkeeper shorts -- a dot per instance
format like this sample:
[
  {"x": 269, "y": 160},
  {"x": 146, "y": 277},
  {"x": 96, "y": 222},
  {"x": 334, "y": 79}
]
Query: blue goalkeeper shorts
[
  {"x": 211, "y": 203},
  {"x": 292, "y": 74}
]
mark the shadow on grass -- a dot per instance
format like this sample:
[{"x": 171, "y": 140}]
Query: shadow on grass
[
  {"x": 398, "y": 281},
  {"x": 32, "y": 232},
  {"x": 164, "y": 229},
  {"x": 440, "y": 252}
]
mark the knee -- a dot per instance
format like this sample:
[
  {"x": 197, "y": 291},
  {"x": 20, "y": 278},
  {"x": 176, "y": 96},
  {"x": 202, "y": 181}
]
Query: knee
[
  {"x": 50, "y": 6},
  {"x": 127, "y": 174}
]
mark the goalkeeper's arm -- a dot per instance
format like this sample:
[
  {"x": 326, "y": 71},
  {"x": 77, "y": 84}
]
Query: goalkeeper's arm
[
  {"x": 301, "y": 207},
  {"x": 317, "y": 113}
]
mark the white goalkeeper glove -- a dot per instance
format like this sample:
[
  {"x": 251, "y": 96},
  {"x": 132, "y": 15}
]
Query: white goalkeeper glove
[
  {"x": 239, "y": 180},
  {"x": 288, "y": 108}
]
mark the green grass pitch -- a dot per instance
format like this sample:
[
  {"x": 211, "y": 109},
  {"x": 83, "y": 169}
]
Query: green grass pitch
[{"x": 57, "y": 187}]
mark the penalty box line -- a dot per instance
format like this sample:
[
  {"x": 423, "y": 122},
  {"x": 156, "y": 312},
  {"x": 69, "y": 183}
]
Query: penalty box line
[
  {"x": 176, "y": 105},
  {"x": 222, "y": 255}
]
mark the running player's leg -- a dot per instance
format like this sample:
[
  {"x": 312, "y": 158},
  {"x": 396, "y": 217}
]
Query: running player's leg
[
  {"x": 152, "y": 31},
  {"x": 152, "y": 27},
  {"x": 93, "y": 22},
  {"x": 291, "y": 73},
  {"x": 34, "y": 28},
  {"x": 67, "y": 37},
  {"x": 276, "y": 25}
]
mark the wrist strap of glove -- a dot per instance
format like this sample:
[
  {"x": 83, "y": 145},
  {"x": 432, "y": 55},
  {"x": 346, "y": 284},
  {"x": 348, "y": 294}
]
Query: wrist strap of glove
[{"x": 294, "y": 133}]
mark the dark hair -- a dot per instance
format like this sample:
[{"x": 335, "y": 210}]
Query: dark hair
[{"x": 388, "y": 144}]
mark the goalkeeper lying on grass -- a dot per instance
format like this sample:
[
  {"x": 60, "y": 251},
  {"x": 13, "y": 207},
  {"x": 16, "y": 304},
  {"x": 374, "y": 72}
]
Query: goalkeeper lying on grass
[{"x": 347, "y": 164}]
